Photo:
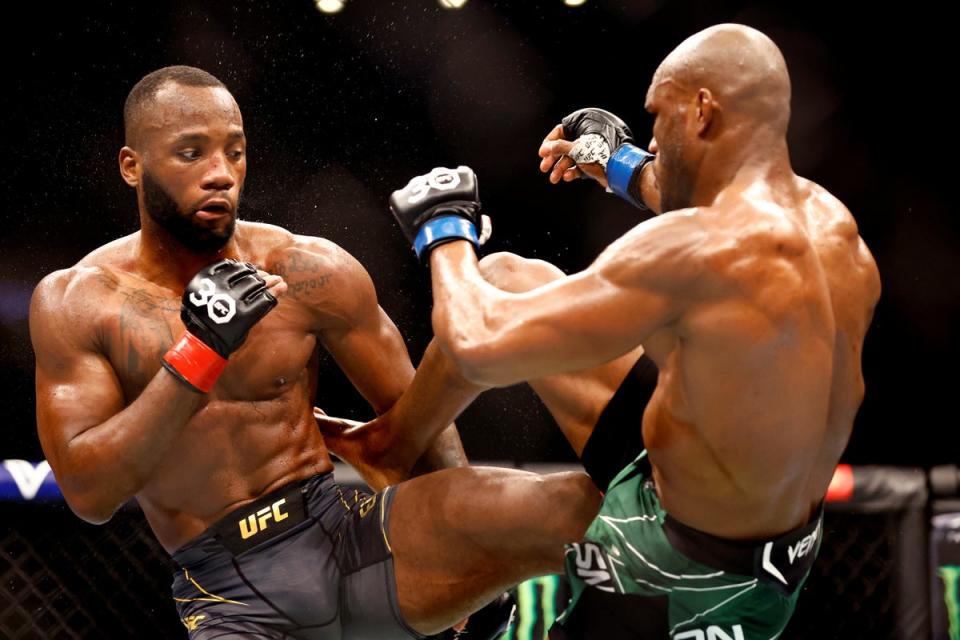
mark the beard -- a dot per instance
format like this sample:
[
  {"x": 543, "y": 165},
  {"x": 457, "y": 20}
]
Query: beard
[
  {"x": 675, "y": 182},
  {"x": 183, "y": 226}
]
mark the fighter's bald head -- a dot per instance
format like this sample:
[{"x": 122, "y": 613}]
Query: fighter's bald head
[
  {"x": 144, "y": 94},
  {"x": 741, "y": 67}
]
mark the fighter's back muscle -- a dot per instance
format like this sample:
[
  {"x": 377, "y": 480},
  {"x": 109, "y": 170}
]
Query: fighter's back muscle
[
  {"x": 746, "y": 349},
  {"x": 752, "y": 373},
  {"x": 854, "y": 285}
]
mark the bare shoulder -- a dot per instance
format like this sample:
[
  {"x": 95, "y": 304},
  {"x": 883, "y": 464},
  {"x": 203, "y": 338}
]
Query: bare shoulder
[
  {"x": 114, "y": 254},
  {"x": 67, "y": 304},
  {"x": 675, "y": 249},
  {"x": 829, "y": 214},
  {"x": 77, "y": 296},
  {"x": 96, "y": 274},
  {"x": 837, "y": 225},
  {"x": 323, "y": 276}
]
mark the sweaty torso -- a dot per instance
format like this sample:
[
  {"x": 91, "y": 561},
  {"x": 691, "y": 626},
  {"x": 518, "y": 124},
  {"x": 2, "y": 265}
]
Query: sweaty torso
[
  {"x": 255, "y": 430},
  {"x": 760, "y": 378}
]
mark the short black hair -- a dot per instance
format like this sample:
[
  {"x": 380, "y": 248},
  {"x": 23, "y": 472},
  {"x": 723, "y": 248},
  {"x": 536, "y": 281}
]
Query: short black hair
[{"x": 145, "y": 90}]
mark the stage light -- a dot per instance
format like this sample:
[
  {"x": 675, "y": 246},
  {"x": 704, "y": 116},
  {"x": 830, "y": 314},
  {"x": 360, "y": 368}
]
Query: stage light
[
  {"x": 330, "y": 6},
  {"x": 452, "y": 4}
]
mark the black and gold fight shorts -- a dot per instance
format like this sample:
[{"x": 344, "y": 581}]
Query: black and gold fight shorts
[{"x": 311, "y": 561}]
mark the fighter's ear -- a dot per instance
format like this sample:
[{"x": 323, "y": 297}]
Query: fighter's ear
[
  {"x": 706, "y": 111},
  {"x": 130, "y": 166}
]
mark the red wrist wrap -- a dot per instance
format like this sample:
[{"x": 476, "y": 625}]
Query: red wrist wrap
[{"x": 195, "y": 361}]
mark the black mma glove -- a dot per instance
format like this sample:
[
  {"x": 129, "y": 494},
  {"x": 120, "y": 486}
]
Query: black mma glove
[
  {"x": 219, "y": 306},
  {"x": 439, "y": 207},
  {"x": 606, "y": 139}
]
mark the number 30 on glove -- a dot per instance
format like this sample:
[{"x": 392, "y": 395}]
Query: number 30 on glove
[
  {"x": 219, "y": 306},
  {"x": 439, "y": 207}
]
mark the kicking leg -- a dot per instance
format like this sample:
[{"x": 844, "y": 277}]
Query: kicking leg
[
  {"x": 460, "y": 537},
  {"x": 575, "y": 400}
]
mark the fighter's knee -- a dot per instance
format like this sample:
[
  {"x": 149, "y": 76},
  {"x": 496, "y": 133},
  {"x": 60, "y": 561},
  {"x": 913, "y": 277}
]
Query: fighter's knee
[
  {"x": 511, "y": 272},
  {"x": 498, "y": 268}
]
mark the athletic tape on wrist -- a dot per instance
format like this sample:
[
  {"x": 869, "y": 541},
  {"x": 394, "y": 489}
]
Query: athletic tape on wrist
[
  {"x": 590, "y": 147},
  {"x": 444, "y": 227},
  {"x": 624, "y": 164},
  {"x": 194, "y": 362}
]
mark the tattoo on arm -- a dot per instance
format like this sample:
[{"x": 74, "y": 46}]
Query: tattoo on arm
[
  {"x": 302, "y": 286},
  {"x": 310, "y": 278}
]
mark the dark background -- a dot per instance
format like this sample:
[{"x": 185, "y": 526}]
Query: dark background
[{"x": 340, "y": 110}]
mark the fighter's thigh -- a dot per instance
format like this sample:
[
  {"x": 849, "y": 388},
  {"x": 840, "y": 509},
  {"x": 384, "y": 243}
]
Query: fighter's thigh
[
  {"x": 495, "y": 512},
  {"x": 759, "y": 613},
  {"x": 575, "y": 400},
  {"x": 459, "y": 536}
]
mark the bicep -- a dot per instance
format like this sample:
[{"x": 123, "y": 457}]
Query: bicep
[
  {"x": 76, "y": 387},
  {"x": 640, "y": 284},
  {"x": 569, "y": 325}
]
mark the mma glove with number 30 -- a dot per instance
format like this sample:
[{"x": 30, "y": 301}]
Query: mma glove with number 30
[
  {"x": 219, "y": 306},
  {"x": 439, "y": 207}
]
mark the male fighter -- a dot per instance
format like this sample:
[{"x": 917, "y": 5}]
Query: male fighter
[
  {"x": 167, "y": 370},
  {"x": 752, "y": 294}
]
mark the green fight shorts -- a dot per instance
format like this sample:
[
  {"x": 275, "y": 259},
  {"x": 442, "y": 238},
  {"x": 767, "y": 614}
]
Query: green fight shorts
[{"x": 641, "y": 574}]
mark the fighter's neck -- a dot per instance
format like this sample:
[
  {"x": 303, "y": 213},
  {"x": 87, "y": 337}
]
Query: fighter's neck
[
  {"x": 163, "y": 260},
  {"x": 731, "y": 169}
]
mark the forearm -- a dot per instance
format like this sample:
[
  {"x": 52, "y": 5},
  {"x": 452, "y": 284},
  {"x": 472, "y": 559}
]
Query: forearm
[
  {"x": 649, "y": 189},
  {"x": 106, "y": 465},
  {"x": 421, "y": 436},
  {"x": 415, "y": 435},
  {"x": 461, "y": 308}
]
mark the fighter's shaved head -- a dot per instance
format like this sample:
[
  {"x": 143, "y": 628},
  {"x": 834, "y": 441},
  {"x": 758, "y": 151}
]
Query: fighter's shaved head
[
  {"x": 142, "y": 96},
  {"x": 742, "y": 68}
]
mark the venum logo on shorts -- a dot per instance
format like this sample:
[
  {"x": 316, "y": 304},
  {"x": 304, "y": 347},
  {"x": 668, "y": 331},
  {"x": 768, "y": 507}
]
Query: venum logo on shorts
[
  {"x": 804, "y": 546},
  {"x": 773, "y": 554},
  {"x": 257, "y": 522},
  {"x": 592, "y": 567},
  {"x": 713, "y": 632}
]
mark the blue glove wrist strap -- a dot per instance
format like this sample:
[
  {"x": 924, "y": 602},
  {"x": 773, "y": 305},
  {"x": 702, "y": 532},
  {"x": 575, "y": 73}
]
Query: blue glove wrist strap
[
  {"x": 443, "y": 227},
  {"x": 626, "y": 163}
]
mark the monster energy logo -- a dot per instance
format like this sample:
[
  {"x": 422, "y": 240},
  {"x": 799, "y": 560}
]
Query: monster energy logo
[
  {"x": 950, "y": 574},
  {"x": 533, "y": 609}
]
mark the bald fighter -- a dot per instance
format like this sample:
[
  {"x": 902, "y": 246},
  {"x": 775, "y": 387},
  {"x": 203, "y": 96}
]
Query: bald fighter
[
  {"x": 752, "y": 293},
  {"x": 171, "y": 369}
]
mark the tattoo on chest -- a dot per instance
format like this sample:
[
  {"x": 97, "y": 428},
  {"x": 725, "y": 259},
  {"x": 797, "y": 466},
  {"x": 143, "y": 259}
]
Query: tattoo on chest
[
  {"x": 142, "y": 334},
  {"x": 302, "y": 273}
]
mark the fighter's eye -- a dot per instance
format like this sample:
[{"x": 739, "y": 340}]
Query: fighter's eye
[
  {"x": 236, "y": 154},
  {"x": 189, "y": 154}
]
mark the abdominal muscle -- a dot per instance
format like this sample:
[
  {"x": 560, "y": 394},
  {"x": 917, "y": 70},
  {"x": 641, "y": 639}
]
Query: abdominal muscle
[{"x": 230, "y": 454}]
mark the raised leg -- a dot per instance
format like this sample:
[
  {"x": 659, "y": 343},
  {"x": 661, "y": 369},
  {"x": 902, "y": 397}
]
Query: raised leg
[{"x": 460, "y": 537}]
